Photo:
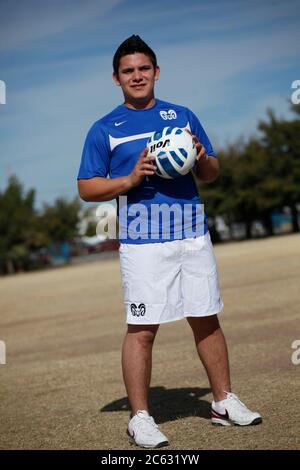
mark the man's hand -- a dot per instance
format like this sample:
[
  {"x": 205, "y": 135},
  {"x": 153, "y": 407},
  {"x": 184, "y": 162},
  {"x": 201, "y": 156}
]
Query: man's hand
[
  {"x": 99, "y": 189},
  {"x": 206, "y": 167},
  {"x": 201, "y": 151},
  {"x": 142, "y": 168}
]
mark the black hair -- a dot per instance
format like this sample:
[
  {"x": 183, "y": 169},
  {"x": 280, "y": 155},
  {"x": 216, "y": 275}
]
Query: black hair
[{"x": 132, "y": 45}]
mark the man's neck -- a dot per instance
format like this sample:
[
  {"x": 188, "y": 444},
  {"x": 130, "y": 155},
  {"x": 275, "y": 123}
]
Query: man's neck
[{"x": 140, "y": 104}]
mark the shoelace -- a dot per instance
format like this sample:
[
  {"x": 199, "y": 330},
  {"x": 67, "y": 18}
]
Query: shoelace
[
  {"x": 233, "y": 396},
  {"x": 146, "y": 420}
]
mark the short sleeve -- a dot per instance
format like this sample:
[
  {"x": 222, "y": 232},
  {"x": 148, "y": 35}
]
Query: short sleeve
[
  {"x": 198, "y": 131},
  {"x": 95, "y": 155}
]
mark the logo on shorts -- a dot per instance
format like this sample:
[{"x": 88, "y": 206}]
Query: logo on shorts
[{"x": 138, "y": 311}]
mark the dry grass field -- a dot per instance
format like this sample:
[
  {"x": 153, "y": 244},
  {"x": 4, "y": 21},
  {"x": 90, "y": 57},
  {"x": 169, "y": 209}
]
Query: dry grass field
[{"x": 62, "y": 389}]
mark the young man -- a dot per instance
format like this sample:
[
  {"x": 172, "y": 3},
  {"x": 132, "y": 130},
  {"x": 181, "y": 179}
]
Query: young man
[{"x": 168, "y": 273}]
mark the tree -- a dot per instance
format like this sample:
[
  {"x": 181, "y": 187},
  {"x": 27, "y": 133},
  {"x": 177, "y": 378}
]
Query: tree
[
  {"x": 16, "y": 218},
  {"x": 59, "y": 222},
  {"x": 232, "y": 195},
  {"x": 281, "y": 141},
  {"x": 91, "y": 229},
  {"x": 24, "y": 232},
  {"x": 259, "y": 176},
  {"x": 258, "y": 188}
]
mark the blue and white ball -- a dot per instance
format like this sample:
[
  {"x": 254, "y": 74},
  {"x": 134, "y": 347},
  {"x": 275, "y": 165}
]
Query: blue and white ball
[{"x": 174, "y": 151}]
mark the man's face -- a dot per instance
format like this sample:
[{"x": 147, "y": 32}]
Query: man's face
[{"x": 136, "y": 76}]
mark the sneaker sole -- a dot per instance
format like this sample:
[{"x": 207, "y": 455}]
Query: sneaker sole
[
  {"x": 160, "y": 444},
  {"x": 224, "y": 422}
]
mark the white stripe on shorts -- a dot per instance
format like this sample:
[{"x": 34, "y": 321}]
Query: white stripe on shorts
[{"x": 164, "y": 282}]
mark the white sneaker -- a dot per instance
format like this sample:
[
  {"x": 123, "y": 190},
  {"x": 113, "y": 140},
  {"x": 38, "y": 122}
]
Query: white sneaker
[
  {"x": 143, "y": 431},
  {"x": 233, "y": 411}
]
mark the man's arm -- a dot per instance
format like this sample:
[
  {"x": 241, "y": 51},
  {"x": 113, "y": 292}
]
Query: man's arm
[
  {"x": 100, "y": 189},
  {"x": 206, "y": 168}
]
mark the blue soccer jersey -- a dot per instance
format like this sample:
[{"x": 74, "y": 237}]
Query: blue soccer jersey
[{"x": 159, "y": 209}]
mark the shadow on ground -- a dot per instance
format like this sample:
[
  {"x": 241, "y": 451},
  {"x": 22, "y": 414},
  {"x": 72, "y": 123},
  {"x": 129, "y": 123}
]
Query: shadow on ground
[{"x": 170, "y": 404}]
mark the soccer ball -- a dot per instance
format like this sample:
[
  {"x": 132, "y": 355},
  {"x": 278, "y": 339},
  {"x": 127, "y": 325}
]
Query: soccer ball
[{"x": 174, "y": 151}]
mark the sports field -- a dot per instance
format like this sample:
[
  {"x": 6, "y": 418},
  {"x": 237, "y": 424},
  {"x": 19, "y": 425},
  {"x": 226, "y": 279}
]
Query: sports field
[{"x": 62, "y": 389}]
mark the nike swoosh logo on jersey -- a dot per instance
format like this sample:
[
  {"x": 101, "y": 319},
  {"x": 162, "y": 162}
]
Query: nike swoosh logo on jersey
[
  {"x": 115, "y": 141},
  {"x": 119, "y": 123}
]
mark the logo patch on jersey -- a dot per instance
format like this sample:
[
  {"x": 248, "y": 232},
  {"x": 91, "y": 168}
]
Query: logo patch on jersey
[
  {"x": 171, "y": 114},
  {"x": 119, "y": 123},
  {"x": 138, "y": 310}
]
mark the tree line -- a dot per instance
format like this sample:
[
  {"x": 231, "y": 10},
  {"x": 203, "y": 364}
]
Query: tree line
[
  {"x": 24, "y": 231},
  {"x": 259, "y": 176}
]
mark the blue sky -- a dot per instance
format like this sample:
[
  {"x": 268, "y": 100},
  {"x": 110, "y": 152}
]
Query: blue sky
[{"x": 228, "y": 60}]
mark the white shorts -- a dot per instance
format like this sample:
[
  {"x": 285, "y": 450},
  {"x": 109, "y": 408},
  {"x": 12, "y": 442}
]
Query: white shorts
[{"x": 164, "y": 282}]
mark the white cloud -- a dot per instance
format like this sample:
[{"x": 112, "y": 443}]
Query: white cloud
[
  {"x": 245, "y": 125},
  {"x": 25, "y": 22},
  {"x": 203, "y": 67},
  {"x": 183, "y": 20}
]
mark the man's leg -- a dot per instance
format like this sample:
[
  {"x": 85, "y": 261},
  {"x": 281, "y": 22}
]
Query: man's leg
[
  {"x": 212, "y": 350},
  {"x": 137, "y": 364}
]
